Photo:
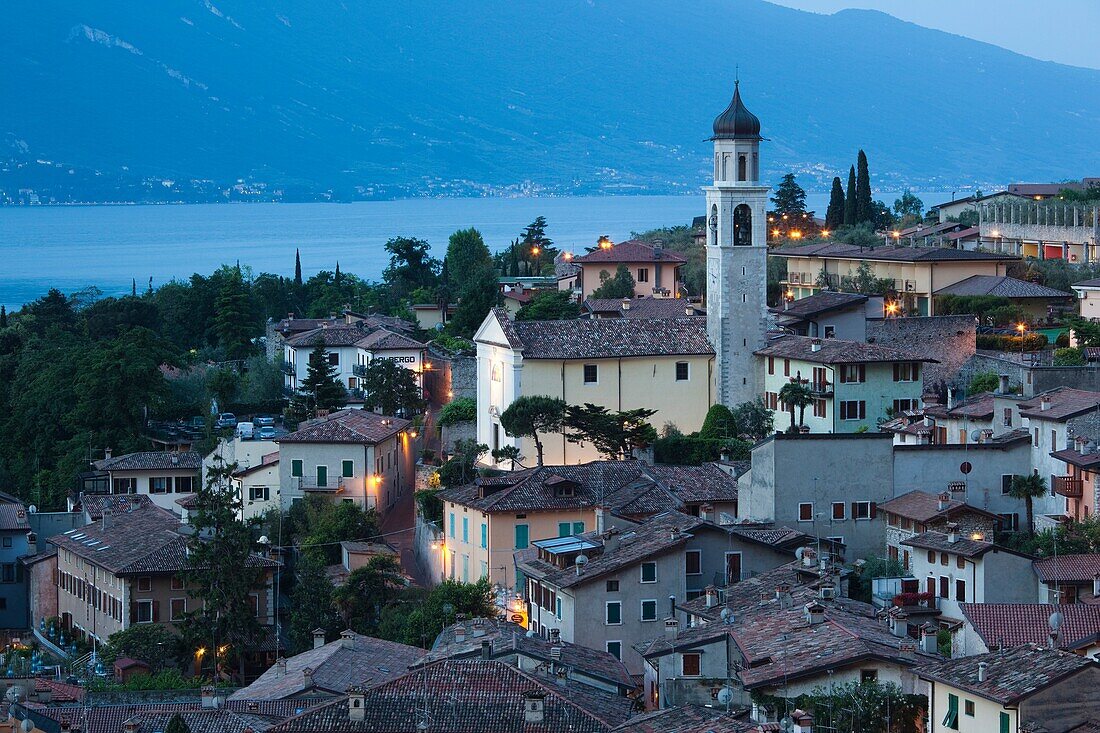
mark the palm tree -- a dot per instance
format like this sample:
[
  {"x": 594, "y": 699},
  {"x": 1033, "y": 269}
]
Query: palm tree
[
  {"x": 796, "y": 394},
  {"x": 1028, "y": 488}
]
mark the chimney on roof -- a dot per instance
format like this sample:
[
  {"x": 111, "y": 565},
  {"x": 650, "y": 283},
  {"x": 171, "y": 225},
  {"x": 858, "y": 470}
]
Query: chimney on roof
[
  {"x": 689, "y": 310},
  {"x": 803, "y": 722},
  {"x": 208, "y": 694},
  {"x": 131, "y": 726},
  {"x": 815, "y": 344},
  {"x": 929, "y": 422},
  {"x": 907, "y": 649},
  {"x": 599, "y": 511},
  {"x": 981, "y": 671},
  {"x": 1002, "y": 384},
  {"x": 460, "y": 633},
  {"x": 711, "y": 594},
  {"x": 1079, "y": 444},
  {"x": 928, "y": 638},
  {"x": 672, "y": 627},
  {"x": 290, "y": 316},
  {"x": 357, "y": 704},
  {"x": 486, "y": 649},
  {"x": 107, "y": 452},
  {"x": 1044, "y": 403},
  {"x": 534, "y": 707},
  {"x": 626, "y": 304},
  {"x": 280, "y": 666},
  {"x": 318, "y": 638},
  {"x": 783, "y": 595},
  {"x": 952, "y": 533},
  {"x": 943, "y": 501},
  {"x": 347, "y": 638},
  {"x": 555, "y": 636},
  {"x": 307, "y": 677},
  {"x": 815, "y": 613},
  {"x": 950, "y": 398},
  {"x": 1096, "y": 586},
  {"x": 899, "y": 624}
]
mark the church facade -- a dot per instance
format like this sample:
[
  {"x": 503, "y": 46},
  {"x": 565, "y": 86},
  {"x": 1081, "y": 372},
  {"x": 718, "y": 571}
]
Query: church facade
[{"x": 737, "y": 254}]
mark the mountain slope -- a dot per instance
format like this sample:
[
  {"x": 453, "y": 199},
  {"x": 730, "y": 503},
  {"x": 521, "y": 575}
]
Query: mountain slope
[{"x": 571, "y": 94}]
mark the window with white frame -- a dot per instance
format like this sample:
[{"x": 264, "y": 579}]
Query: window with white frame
[
  {"x": 591, "y": 373},
  {"x": 649, "y": 572},
  {"x": 806, "y": 511},
  {"x": 649, "y": 610},
  {"x": 259, "y": 493},
  {"x": 693, "y": 562},
  {"x": 838, "y": 511},
  {"x": 615, "y": 649},
  {"x": 861, "y": 509},
  {"x": 143, "y": 612},
  {"x": 682, "y": 371},
  {"x": 613, "y": 613}
]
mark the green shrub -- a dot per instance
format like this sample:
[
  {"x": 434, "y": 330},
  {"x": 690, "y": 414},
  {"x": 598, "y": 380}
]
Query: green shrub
[
  {"x": 1069, "y": 357},
  {"x": 1001, "y": 342},
  {"x": 983, "y": 382},
  {"x": 464, "y": 409}
]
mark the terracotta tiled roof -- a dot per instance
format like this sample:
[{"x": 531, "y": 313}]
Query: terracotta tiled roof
[
  {"x": 94, "y": 504},
  {"x": 330, "y": 336},
  {"x": 152, "y": 461},
  {"x": 1011, "y": 674},
  {"x": 1001, "y": 286},
  {"x": 978, "y": 407},
  {"x": 625, "y": 487},
  {"x": 648, "y": 307},
  {"x": 836, "y": 351},
  {"x": 347, "y": 426},
  {"x": 110, "y": 718},
  {"x": 352, "y": 659},
  {"x": 824, "y": 301},
  {"x": 508, "y": 639},
  {"x": 967, "y": 233},
  {"x": 384, "y": 339},
  {"x": 1065, "y": 402},
  {"x": 961, "y": 546},
  {"x": 661, "y": 534},
  {"x": 1012, "y": 624},
  {"x": 922, "y": 506},
  {"x": 688, "y": 720},
  {"x": 839, "y": 250},
  {"x": 632, "y": 250},
  {"x": 748, "y": 592},
  {"x": 202, "y": 721},
  {"x": 144, "y": 540},
  {"x": 608, "y": 338},
  {"x": 468, "y": 696},
  {"x": 13, "y": 518},
  {"x": 1068, "y": 568},
  {"x": 1075, "y": 458}
]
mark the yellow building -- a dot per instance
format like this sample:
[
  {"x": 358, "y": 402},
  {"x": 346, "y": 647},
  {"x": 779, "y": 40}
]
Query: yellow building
[
  {"x": 485, "y": 522},
  {"x": 1026, "y": 688},
  {"x": 914, "y": 273},
  {"x": 621, "y": 364}
]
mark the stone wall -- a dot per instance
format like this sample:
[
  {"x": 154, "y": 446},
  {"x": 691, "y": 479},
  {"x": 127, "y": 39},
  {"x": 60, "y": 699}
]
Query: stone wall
[
  {"x": 449, "y": 376},
  {"x": 1031, "y": 379},
  {"x": 950, "y": 340}
]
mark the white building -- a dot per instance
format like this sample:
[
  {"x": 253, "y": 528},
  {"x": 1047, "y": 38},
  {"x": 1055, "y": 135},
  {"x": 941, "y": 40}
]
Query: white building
[{"x": 350, "y": 349}]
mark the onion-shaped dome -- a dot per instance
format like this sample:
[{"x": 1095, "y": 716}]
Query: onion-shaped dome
[{"x": 736, "y": 122}]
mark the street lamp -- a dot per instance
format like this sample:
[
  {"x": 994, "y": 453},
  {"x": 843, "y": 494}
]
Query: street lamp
[{"x": 604, "y": 242}]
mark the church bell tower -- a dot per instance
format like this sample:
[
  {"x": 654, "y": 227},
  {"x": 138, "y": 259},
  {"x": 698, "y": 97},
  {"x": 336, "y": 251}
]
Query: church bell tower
[{"x": 737, "y": 254}]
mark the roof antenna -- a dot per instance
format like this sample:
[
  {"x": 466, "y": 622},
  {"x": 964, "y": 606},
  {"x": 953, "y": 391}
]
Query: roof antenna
[{"x": 736, "y": 74}]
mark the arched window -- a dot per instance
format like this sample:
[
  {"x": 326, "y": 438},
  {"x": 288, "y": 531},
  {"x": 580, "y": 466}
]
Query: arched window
[
  {"x": 742, "y": 226},
  {"x": 742, "y": 167},
  {"x": 712, "y": 225}
]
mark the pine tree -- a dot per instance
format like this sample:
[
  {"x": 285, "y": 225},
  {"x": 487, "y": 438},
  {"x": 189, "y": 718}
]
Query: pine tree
[
  {"x": 789, "y": 198},
  {"x": 233, "y": 317},
  {"x": 323, "y": 390},
  {"x": 834, "y": 215},
  {"x": 865, "y": 208},
  {"x": 133, "y": 287},
  {"x": 297, "y": 267},
  {"x": 850, "y": 200},
  {"x": 337, "y": 275}
]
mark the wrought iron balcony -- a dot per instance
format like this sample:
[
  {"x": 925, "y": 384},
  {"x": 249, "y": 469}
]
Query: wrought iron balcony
[
  {"x": 821, "y": 389},
  {"x": 359, "y": 370},
  {"x": 330, "y": 484},
  {"x": 1070, "y": 486},
  {"x": 288, "y": 368}
]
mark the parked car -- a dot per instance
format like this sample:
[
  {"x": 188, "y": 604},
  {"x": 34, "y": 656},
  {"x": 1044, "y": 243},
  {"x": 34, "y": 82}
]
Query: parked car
[
  {"x": 267, "y": 432},
  {"x": 264, "y": 421},
  {"x": 245, "y": 430},
  {"x": 226, "y": 420}
]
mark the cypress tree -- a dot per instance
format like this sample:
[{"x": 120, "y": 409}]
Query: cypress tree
[
  {"x": 3, "y": 317},
  {"x": 133, "y": 287},
  {"x": 865, "y": 209},
  {"x": 336, "y": 277},
  {"x": 834, "y": 215},
  {"x": 850, "y": 199},
  {"x": 297, "y": 267}
]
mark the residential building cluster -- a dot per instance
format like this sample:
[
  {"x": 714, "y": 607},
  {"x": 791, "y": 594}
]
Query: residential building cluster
[{"x": 880, "y": 532}]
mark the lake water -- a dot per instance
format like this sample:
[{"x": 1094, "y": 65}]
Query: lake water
[{"x": 107, "y": 246}]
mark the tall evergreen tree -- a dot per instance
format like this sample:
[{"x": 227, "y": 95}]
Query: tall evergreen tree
[
  {"x": 466, "y": 257},
  {"x": 337, "y": 275},
  {"x": 321, "y": 387},
  {"x": 850, "y": 218},
  {"x": 834, "y": 215},
  {"x": 3, "y": 317},
  {"x": 865, "y": 207},
  {"x": 297, "y": 267},
  {"x": 233, "y": 319},
  {"x": 482, "y": 295},
  {"x": 789, "y": 197},
  {"x": 133, "y": 287},
  {"x": 177, "y": 725}
]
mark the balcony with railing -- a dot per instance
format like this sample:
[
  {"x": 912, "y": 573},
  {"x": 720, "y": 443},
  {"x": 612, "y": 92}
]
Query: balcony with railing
[
  {"x": 288, "y": 368},
  {"x": 359, "y": 370},
  {"x": 821, "y": 389},
  {"x": 321, "y": 484},
  {"x": 1070, "y": 486}
]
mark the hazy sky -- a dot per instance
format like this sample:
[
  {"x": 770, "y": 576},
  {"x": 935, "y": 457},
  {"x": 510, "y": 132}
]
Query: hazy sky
[{"x": 1053, "y": 30}]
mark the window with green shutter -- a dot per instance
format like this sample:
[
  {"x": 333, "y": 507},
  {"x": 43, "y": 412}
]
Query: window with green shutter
[
  {"x": 452, "y": 524},
  {"x": 296, "y": 469},
  {"x": 322, "y": 476},
  {"x": 614, "y": 613},
  {"x": 1004, "y": 723},
  {"x": 578, "y": 527},
  {"x": 465, "y": 529},
  {"x": 563, "y": 529},
  {"x": 522, "y": 536},
  {"x": 951, "y": 720},
  {"x": 484, "y": 535},
  {"x": 347, "y": 467}
]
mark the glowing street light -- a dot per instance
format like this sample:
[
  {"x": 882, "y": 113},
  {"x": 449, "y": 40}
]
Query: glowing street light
[
  {"x": 604, "y": 242},
  {"x": 825, "y": 233},
  {"x": 796, "y": 234},
  {"x": 568, "y": 256},
  {"x": 891, "y": 309},
  {"x": 535, "y": 251},
  {"x": 1021, "y": 328}
]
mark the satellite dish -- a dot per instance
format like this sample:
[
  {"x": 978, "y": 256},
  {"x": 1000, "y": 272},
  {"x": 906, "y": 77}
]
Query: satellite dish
[
  {"x": 15, "y": 693},
  {"x": 263, "y": 540},
  {"x": 725, "y": 696},
  {"x": 975, "y": 435},
  {"x": 799, "y": 552},
  {"x": 1055, "y": 621},
  {"x": 33, "y": 509},
  {"x": 786, "y": 723},
  {"x": 582, "y": 559},
  {"x": 26, "y": 726}
]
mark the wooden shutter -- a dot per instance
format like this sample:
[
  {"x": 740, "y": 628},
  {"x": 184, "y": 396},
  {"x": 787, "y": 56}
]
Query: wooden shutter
[
  {"x": 874, "y": 510},
  {"x": 156, "y": 611}
]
